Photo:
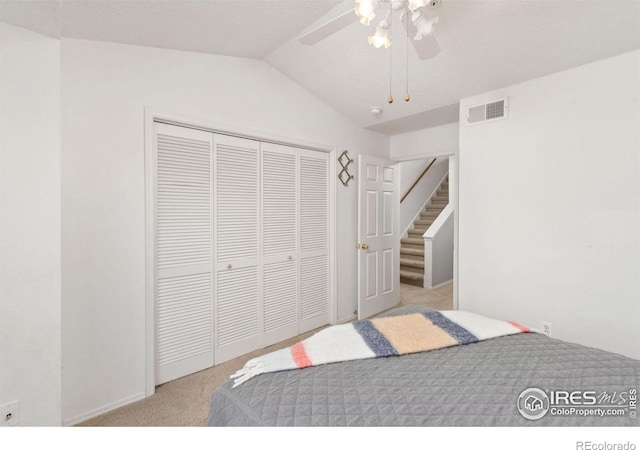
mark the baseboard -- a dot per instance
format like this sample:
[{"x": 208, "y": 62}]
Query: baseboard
[
  {"x": 347, "y": 319},
  {"x": 103, "y": 409},
  {"x": 442, "y": 284}
]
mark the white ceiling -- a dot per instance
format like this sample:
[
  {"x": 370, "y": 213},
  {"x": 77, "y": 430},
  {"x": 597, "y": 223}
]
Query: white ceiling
[
  {"x": 250, "y": 29},
  {"x": 486, "y": 44}
]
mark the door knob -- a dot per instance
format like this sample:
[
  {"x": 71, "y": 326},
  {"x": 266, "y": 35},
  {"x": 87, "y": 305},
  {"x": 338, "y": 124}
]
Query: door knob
[{"x": 365, "y": 246}]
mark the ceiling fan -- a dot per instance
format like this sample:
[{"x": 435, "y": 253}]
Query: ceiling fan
[{"x": 416, "y": 19}]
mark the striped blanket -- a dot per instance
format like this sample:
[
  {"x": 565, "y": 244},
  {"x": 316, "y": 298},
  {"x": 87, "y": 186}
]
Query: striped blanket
[{"x": 385, "y": 336}]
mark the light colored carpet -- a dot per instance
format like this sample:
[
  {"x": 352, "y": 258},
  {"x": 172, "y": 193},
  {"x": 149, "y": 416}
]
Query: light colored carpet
[
  {"x": 440, "y": 298},
  {"x": 185, "y": 402}
]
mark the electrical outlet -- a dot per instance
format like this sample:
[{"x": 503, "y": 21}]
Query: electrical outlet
[
  {"x": 546, "y": 328},
  {"x": 10, "y": 414}
]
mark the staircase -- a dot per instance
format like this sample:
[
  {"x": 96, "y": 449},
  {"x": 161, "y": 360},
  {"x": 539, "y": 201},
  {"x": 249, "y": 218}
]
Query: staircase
[{"x": 412, "y": 247}]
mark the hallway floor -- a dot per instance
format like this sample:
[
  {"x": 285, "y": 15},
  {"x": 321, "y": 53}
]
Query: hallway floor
[{"x": 439, "y": 298}]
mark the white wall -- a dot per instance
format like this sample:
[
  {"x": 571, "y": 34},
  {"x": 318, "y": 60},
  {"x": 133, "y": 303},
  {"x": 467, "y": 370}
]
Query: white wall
[
  {"x": 412, "y": 148},
  {"x": 410, "y": 171},
  {"x": 105, "y": 89},
  {"x": 30, "y": 355},
  {"x": 435, "y": 141},
  {"x": 549, "y": 204},
  {"x": 438, "y": 251}
]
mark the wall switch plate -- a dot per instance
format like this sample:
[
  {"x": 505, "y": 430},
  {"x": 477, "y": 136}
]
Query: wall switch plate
[
  {"x": 546, "y": 328},
  {"x": 10, "y": 414}
]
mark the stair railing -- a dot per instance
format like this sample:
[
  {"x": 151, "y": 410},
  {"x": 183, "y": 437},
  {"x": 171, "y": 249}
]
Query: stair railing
[{"x": 418, "y": 180}]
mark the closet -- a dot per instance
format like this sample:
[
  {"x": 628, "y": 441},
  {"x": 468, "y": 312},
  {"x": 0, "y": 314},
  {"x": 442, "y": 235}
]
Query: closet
[{"x": 241, "y": 246}]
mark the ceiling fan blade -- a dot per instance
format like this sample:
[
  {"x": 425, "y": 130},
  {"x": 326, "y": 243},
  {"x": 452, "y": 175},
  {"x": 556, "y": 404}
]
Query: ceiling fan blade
[
  {"x": 427, "y": 47},
  {"x": 328, "y": 28}
]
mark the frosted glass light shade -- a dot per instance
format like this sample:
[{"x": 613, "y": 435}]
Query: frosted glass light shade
[
  {"x": 381, "y": 37},
  {"x": 366, "y": 10},
  {"x": 415, "y": 4}
]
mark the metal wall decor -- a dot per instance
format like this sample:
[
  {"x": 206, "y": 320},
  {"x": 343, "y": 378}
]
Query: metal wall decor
[{"x": 344, "y": 176}]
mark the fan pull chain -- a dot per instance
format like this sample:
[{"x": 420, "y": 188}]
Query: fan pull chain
[{"x": 390, "y": 99}]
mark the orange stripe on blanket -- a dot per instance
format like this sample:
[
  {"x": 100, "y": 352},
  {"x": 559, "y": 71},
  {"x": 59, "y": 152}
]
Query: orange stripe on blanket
[
  {"x": 299, "y": 355},
  {"x": 520, "y": 327}
]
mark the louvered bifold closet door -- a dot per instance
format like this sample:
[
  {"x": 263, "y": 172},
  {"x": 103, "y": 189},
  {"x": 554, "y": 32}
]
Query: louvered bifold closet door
[
  {"x": 279, "y": 242},
  {"x": 184, "y": 253},
  {"x": 237, "y": 229},
  {"x": 314, "y": 239}
]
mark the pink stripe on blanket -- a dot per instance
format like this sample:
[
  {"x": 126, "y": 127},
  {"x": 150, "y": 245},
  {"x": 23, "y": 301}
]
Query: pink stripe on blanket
[
  {"x": 520, "y": 327},
  {"x": 299, "y": 355}
]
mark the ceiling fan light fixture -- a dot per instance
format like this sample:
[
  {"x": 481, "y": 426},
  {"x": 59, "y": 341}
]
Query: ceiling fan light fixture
[
  {"x": 381, "y": 37},
  {"x": 415, "y": 4},
  {"x": 366, "y": 10},
  {"x": 423, "y": 25}
]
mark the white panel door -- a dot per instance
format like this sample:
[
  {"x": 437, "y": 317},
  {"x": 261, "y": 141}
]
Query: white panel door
[
  {"x": 237, "y": 212},
  {"x": 314, "y": 239},
  {"x": 279, "y": 242},
  {"x": 183, "y": 259},
  {"x": 378, "y": 235}
]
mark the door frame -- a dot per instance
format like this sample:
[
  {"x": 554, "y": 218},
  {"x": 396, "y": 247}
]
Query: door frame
[
  {"x": 454, "y": 182},
  {"x": 150, "y": 117}
]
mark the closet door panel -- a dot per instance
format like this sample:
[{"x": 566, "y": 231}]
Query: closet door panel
[
  {"x": 238, "y": 302},
  {"x": 314, "y": 297},
  {"x": 314, "y": 239},
  {"x": 279, "y": 201},
  {"x": 314, "y": 202},
  {"x": 237, "y": 194},
  {"x": 280, "y": 287},
  {"x": 183, "y": 260},
  {"x": 280, "y": 242},
  {"x": 184, "y": 339},
  {"x": 237, "y": 330}
]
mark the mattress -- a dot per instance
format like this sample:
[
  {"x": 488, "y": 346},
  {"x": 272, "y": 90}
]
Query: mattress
[{"x": 489, "y": 383}]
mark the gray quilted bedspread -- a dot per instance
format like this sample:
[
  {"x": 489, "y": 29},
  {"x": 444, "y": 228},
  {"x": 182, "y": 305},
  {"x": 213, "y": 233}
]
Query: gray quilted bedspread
[{"x": 470, "y": 385}]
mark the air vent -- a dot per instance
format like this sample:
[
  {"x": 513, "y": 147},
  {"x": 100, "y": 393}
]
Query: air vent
[{"x": 489, "y": 111}]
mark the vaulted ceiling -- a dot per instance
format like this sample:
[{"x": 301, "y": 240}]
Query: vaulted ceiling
[{"x": 485, "y": 45}]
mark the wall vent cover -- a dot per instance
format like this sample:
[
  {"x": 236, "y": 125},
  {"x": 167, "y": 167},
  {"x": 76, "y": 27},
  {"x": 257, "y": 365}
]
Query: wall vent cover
[{"x": 489, "y": 111}]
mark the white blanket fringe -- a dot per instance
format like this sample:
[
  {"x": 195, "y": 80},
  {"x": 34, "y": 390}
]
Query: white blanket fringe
[{"x": 250, "y": 370}]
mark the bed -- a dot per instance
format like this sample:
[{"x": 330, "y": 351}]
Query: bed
[{"x": 479, "y": 384}]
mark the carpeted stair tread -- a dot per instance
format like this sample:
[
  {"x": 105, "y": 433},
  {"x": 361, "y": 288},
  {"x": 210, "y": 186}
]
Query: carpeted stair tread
[
  {"x": 412, "y": 251},
  {"x": 411, "y": 263},
  {"x": 412, "y": 241},
  {"x": 411, "y": 275}
]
